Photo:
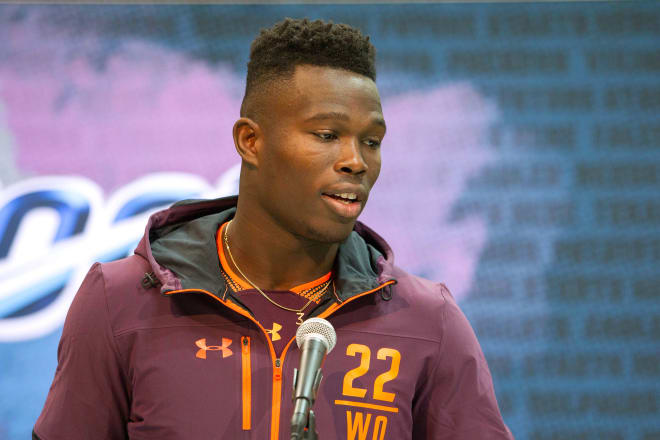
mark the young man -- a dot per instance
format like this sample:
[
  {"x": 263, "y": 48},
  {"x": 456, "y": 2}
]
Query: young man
[{"x": 191, "y": 337}]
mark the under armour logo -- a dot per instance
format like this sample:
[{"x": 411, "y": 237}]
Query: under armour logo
[
  {"x": 203, "y": 348},
  {"x": 274, "y": 335}
]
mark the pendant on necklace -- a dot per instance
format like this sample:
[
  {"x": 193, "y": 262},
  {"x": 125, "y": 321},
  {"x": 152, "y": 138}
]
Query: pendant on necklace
[{"x": 300, "y": 316}]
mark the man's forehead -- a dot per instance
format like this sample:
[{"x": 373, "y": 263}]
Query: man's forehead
[
  {"x": 307, "y": 73},
  {"x": 325, "y": 85},
  {"x": 320, "y": 92}
]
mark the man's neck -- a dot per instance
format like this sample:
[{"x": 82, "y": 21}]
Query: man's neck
[{"x": 272, "y": 257}]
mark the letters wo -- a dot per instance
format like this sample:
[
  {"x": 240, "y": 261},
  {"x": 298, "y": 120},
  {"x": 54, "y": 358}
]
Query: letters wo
[{"x": 52, "y": 229}]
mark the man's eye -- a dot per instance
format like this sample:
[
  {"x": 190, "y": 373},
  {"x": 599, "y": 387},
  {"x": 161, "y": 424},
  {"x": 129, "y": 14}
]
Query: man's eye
[
  {"x": 373, "y": 143},
  {"x": 326, "y": 136}
]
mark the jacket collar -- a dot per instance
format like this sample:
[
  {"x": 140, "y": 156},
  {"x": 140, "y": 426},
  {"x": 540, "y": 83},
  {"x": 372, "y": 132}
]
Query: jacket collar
[{"x": 180, "y": 245}]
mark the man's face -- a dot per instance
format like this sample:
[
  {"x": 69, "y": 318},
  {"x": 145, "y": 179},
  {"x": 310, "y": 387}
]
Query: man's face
[{"x": 320, "y": 155}]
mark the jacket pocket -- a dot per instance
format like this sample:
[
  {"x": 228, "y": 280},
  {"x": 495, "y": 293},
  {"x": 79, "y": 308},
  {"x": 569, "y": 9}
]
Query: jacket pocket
[{"x": 246, "y": 383}]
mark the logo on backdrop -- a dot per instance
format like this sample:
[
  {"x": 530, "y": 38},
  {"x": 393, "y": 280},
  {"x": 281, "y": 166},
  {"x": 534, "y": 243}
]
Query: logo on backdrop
[{"x": 52, "y": 229}]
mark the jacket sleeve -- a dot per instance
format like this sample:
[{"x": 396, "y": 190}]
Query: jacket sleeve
[
  {"x": 458, "y": 401},
  {"x": 88, "y": 398}
]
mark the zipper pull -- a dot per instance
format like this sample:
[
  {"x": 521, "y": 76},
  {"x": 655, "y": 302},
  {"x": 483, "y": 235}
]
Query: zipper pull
[{"x": 277, "y": 374}]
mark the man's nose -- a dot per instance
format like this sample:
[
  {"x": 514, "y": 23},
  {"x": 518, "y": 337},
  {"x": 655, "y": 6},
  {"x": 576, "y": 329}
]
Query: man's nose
[{"x": 351, "y": 160}]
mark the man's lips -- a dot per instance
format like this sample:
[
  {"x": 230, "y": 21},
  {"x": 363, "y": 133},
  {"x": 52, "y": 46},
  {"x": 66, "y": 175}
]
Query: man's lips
[
  {"x": 345, "y": 202},
  {"x": 344, "y": 197},
  {"x": 343, "y": 208},
  {"x": 346, "y": 192}
]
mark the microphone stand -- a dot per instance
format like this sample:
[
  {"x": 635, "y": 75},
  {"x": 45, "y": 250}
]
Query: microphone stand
[{"x": 309, "y": 430}]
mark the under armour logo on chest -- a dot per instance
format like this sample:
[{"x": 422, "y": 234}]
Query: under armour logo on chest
[
  {"x": 274, "y": 335},
  {"x": 203, "y": 348}
]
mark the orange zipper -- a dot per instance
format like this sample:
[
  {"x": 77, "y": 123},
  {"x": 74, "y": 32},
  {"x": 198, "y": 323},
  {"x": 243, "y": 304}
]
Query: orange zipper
[
  {"x": 247, "y": 382},
  {"x": 277, "y": 363},
  {"x": 277, "y": 397}
]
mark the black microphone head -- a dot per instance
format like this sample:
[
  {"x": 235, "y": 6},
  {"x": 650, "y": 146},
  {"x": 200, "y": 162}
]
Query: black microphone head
[{"x": 320, "y": 328}]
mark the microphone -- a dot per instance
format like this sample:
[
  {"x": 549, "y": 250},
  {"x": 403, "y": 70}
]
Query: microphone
[{"x": 315, "y": 338}]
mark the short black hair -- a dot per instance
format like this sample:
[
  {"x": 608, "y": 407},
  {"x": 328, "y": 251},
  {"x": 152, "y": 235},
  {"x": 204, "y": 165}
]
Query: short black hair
[{"x": 278, "y": 50}]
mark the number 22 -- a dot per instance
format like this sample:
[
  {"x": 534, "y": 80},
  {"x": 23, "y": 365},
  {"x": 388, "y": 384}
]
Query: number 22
[{"x": 362, "y": 369}]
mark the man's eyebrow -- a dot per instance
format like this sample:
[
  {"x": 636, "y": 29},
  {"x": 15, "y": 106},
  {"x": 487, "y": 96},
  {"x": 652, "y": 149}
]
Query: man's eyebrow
[
  {"x": 340, "y": 116},
  {"x": 329, "y": 115}
]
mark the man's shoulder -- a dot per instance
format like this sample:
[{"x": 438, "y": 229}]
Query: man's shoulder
[
  {"x": 431, "y": 303},
  {"x": 423, "y": 292},
  {"x": 128, "y": 274},
  {"x": 412, "y": 308},
  {"x": 120, "y": 290},
  {"x": 124, "y": 272},
  {"x": 105, "y": 281}
]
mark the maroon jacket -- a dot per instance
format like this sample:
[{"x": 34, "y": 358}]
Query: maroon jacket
[{"x": 174, "y": 355}]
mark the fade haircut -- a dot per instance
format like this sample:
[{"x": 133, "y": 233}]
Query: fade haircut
[{"x": 277, "y": 51}]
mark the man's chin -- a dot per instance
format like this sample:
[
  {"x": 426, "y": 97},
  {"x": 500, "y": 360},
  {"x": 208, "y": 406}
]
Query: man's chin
[{"x": 335, "y": 233}]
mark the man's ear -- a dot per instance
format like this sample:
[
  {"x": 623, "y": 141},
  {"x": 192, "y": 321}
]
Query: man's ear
[{"x": 247, "y": 140}]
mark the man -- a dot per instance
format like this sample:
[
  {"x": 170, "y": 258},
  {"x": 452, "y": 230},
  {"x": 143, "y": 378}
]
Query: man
[{"x": 191, "y": 337}]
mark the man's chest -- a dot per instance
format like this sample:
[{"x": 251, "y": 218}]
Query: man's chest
[{"x": 226, "y": 381}]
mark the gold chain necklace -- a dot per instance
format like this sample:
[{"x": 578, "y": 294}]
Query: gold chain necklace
[{"x": 298, "y": 312}]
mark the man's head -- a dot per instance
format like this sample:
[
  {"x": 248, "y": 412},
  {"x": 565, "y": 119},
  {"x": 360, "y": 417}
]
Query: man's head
[
  {"x": 276, "y": 52},
  {"x": 310, "y": 129}
]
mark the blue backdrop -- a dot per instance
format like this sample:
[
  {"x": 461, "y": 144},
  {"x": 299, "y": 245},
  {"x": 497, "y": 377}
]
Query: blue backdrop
[{"x": 528, "y": 136}]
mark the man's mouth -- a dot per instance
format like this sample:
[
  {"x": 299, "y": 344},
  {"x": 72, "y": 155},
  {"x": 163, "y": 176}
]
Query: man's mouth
[
  {"x": 345, "y": 204},
  {"x": 346, "y": 198}
]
